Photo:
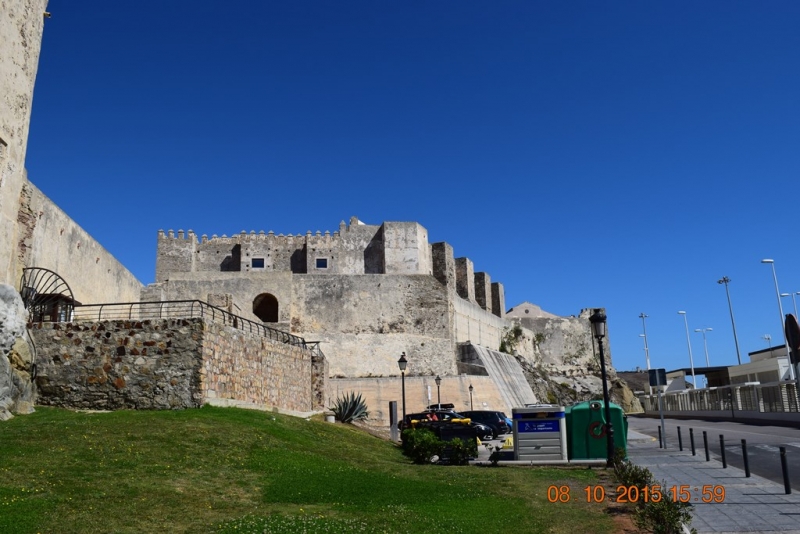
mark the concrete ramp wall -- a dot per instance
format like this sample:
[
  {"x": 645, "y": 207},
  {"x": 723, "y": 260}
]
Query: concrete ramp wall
[{"x": 504, "y": 370}]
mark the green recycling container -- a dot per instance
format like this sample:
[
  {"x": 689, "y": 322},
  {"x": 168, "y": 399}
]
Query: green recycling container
[{"x": 586, "y": 437}]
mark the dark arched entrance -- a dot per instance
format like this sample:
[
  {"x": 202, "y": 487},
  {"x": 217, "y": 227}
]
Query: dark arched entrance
[{"x": 265, "y": 307}]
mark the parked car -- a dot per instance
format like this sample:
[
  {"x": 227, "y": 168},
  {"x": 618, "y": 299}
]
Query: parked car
[
  {"x": 493, "y": 419},
  {"x": 406, "y": 423},
  {"x": 485, "y": 432}
]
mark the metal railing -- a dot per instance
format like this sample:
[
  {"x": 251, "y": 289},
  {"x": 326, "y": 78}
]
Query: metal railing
[
  {"x": 181, "y": 309},
  {"x": 762, "y": 398}
]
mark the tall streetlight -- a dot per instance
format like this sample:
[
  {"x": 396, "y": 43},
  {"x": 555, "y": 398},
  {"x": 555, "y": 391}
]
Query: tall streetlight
[
  {"x": 598, "y": 321},
  {"x": 648, "y": 359},
  {"x": 689, "y": 344},
  {"x": 470, "y": 397},
  {"x": 725, "y": 280},
  {"x": 705, "y": 344},
  {"x": 644, "y": 316},
  {"x": 438, "y": 381},
  {"x": 794, "y": 301},
  {"x": 780, "y": 310},
  {"x": 401, "y": 363}
]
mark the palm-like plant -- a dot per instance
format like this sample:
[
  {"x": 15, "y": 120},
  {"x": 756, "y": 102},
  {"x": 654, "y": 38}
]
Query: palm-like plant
[{"x": 350, "y": 408}]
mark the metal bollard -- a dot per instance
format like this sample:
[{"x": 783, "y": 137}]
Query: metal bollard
[
  {"x": 722, "y": 451},
  {"x": 705, "y": 443},
  {"x": 746, "y": 460},
  {"x": 785, "y": 471},
  {"x": 691, "y": 440},
  {"x": 660, "y": 442},
  {"x": 680, "y": 441}
]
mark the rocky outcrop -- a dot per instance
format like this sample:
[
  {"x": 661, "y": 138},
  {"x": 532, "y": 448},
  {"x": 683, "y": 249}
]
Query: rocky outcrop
[
  {"x": 17, "y": 393},
  {"x": 567, "y": 386}
]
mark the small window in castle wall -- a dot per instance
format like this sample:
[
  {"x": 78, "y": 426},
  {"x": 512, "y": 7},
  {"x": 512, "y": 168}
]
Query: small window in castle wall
[
  {"x": 322, "y": 263},
  {"x": 258, "y": 263}
]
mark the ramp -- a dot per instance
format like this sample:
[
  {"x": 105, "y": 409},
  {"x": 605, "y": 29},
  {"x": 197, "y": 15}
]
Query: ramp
[{"x": 506, "y": 372}]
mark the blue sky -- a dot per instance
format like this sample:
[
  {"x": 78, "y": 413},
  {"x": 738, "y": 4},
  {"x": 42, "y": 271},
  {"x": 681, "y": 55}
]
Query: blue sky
[{"x": 616, "y": 154}]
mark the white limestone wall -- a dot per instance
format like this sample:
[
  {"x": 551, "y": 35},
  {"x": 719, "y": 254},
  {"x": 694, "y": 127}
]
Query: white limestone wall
[
  {"x": 476, "y": 325},
  {"x": 21, "y": 25},
  {"x": 54, "y": 241},
  {"x": 406, "y": 249}
]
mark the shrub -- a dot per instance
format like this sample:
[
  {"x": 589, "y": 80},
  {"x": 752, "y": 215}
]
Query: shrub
[
  {"x": 663, "y": 517},
  {"x": 350, "y": 408},
  {"x": 459, "y": 451},
  {"x": 421, "y": 445}
]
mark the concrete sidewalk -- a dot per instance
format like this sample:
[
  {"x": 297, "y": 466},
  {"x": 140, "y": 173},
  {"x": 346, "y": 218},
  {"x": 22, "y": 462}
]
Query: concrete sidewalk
[{"x": 752, "y": 504}]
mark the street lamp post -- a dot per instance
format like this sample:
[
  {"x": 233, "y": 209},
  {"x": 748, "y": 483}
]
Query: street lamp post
[
  {"x": 402, "y": 362},
  {"x": 598, "y": 321},
  {"x": 689, "y": 344},
  {"x": 794, "y": 301},
  {"x": 470, "y": 397},
  {"x": 705, "y": 344},
  {"x": 725, "y": 280},
  {"x": 780, "y": 310},
  {"x": 438, "y": 381},
  {"x": 644, "y": 316}
]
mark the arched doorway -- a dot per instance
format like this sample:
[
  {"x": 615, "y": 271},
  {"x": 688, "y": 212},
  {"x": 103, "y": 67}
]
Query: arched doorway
[{"x": 265, "y": 307}]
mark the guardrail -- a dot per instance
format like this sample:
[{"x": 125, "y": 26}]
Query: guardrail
[
  {"x": 774, "y": 397},
  {"x": 180, "y": 309}
]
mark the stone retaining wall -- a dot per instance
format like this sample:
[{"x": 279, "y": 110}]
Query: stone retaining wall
[
  {"x": 241, "y": 366},
  {"x": 170, "y": 364}
]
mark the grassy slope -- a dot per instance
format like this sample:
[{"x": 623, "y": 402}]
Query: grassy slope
[{"x": 217, "y": 469}]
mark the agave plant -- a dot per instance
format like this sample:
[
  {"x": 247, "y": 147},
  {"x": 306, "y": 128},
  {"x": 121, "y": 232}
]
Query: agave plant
[{"x": 350, "y": 408}]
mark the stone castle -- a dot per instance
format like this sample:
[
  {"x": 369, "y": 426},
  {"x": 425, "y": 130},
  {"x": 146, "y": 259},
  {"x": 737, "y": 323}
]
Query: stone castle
[{"x": 363, "y": 293}]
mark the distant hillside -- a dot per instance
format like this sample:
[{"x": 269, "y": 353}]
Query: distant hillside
[{"x": 637, "y": 381}]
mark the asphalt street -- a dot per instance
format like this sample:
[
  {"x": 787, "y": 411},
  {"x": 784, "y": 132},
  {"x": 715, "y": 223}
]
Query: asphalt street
[{"x": 763, "y": 442}]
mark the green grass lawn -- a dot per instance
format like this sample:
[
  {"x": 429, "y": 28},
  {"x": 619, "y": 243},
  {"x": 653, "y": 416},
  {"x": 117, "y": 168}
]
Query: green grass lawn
[{"x": 231, "y": 470}]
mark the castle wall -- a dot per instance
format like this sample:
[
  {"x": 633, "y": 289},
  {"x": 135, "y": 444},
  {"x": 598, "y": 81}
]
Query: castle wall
[
  {"x": 52, "y": 240},
  {"x": 476, "y": 325},
  {"x": 174, "y": 254},
  {"x": 406, "y": 249},
  {"x": 365, "y": 322},
  {"x": 465, "y": 279},
  {"x": 498, "y": 300},
  {"x": 21, "y": 26},
  {"x": 243, "y": 288},
  {"x": 443, "y": 265},
  {"x": 170, "y": 364},
  {"x": 483, "y": 291}
]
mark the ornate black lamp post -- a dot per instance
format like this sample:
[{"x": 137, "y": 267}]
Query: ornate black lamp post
[
  {"x": 438, "y": 396},
  {"x": 598, "y": 321},
  {"x": 402, "y": 362},
  {"x": 470, "y": 397}
]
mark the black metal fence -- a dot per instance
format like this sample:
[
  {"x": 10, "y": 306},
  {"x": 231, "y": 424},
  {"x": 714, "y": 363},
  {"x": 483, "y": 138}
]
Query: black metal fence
[{"x": 180, "y": 309}]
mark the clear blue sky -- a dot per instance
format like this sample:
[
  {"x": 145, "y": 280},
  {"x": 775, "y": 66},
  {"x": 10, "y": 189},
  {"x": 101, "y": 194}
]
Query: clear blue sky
[{"x": 616, "y": 154}]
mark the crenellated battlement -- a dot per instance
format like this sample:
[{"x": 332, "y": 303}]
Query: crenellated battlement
[{"x": 354, "y": 248}]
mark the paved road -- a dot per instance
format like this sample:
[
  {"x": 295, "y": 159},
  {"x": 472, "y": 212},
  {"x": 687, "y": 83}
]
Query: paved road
[{"x": 762, "y": 443}]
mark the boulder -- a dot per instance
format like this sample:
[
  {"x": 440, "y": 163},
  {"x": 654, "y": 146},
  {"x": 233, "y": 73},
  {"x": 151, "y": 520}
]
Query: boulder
[{"x": 17, "y": 394}]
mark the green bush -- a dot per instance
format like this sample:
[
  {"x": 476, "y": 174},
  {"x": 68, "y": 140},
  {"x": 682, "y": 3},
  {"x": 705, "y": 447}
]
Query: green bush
[
  {"x": 663, "y": 517},
  {"x": 421, "y": 445},
  {"x": 459, "y": 451},
  {"x": 350, "y": 408}
]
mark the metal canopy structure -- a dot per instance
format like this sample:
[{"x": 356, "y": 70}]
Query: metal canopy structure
[{"x": 46, "y": 295}]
